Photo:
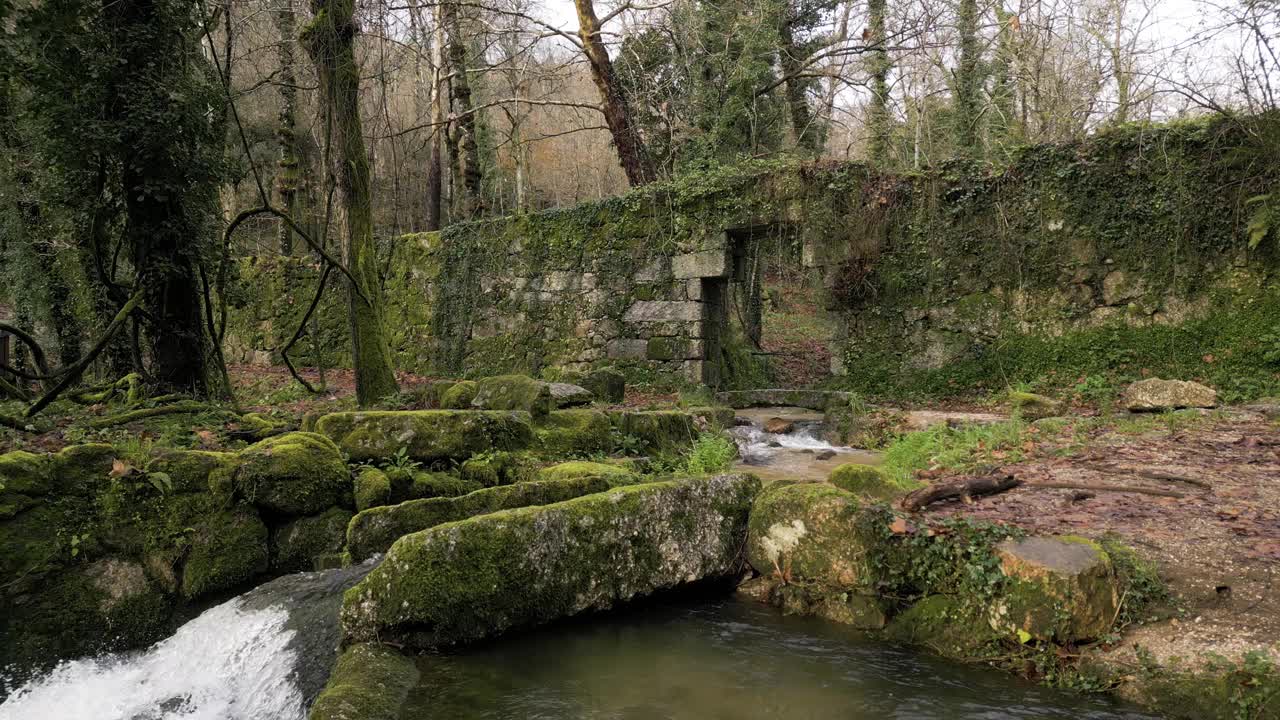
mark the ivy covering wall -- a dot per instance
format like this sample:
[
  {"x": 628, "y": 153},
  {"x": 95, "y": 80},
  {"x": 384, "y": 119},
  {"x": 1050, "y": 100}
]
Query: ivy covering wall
[{"x": 1085, "y": 263}]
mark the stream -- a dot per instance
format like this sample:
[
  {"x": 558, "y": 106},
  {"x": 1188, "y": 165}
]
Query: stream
[
  {"x": 723, "y": 659},
  {"x": 798, "y": 454}
]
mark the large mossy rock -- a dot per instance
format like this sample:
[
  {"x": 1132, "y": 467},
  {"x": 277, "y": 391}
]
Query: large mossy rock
[
  {"x": 1059, "y": 588},
  {"x": 372, "y": 488},
  {"x": 227, "y": 550},
  {"x": 513, "y": 392},
  {"x": 373, "y": 531},
  {"x": 812, "y": 532},
  {"x": 459, "y": 395},
  {"x": 426, "y": 435},
  {"x": 24, "y": 478},
  {"x": 293, "y": 474},
  {"x": 942, "y": 622},
  {"x": 477, "y": 578},
  {"x": 1154, "y": 394},
  {"x": 871, "y": 481},
  {"x": 369, "y": 682}
]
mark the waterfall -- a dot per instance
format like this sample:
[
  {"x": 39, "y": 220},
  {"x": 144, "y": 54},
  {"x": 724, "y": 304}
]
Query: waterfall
[{"x": 264, "y": 654}]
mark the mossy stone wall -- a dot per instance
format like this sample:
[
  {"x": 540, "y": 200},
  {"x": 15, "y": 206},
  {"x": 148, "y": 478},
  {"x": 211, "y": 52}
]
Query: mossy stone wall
[{"x": 1122, "y": 253}]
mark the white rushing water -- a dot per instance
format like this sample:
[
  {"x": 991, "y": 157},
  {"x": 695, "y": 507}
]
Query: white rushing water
[{"x": 230, "y": 663}]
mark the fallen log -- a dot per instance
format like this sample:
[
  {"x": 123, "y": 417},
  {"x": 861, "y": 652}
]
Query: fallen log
[{"x": 964, "y": 488}]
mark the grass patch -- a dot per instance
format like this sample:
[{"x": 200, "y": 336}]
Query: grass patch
[{"x": 956, "y": 449}]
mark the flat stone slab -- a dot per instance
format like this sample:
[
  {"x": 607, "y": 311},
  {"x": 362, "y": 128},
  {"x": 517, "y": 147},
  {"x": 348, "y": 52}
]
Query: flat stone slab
[
  {"x": 426, "y": 435},
  {"x": 782, "y": 397}
]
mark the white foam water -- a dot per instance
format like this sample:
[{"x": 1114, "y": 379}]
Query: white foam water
[{"x": 230, "y": 663}]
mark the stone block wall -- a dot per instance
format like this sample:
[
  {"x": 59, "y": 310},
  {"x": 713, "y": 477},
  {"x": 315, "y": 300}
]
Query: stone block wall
[{"x": 1125, "y": 253}]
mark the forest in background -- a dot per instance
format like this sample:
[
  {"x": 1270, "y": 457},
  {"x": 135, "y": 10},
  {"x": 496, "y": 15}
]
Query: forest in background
[{"x": 147, "y": 143}]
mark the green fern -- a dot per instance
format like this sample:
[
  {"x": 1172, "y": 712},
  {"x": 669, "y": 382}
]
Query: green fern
[{"x": 1265, "y": 218}]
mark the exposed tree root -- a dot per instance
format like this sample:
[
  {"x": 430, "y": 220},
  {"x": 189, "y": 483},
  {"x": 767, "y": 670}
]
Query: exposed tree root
[
  {"x": 72, "y": 374},
  {"x": 1105, "y": 488},
  {"x": 124, "y": 418},
  {"x": 963, "y": 488},
  {"x": 1151, "y": 475}
]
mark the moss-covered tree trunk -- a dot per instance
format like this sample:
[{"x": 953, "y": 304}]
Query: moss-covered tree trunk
[
  {"x": 289, "y": 171},
  {"x": 878, "y": 124},
  {"x": 329, "y": 40},
  {"x": 966, "y": 83}
]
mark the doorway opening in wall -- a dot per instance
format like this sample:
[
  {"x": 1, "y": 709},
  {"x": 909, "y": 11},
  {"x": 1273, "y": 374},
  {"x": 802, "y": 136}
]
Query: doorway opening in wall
[{"x": 768, "y": 327}]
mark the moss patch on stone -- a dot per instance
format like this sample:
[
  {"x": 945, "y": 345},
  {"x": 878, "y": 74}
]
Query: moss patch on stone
[
  {"x": 871, "y": 481},
  {"x": 372, "y": 488},
  {"x": 513, "y": 392},
  {"x": 479, "y": 577},
  {"x": 369, "y": 682},
  {"x": 426, "y": 435},
  {"x": 614, "y": 474},
  {"x": 373, "y": 531},
  {"x": 297, "y": 545},
  {"x": 459, "y": 395},
  {"x": 227, "y": 549},
  {"x": 570, "y": 433}
]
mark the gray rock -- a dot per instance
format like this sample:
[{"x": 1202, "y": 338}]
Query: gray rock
[
  {"x": 1063, "y": 589},
  {"x": 568, "y": 395},
  {"x": 663, "y": 311},
  {"x": 1155, "y": 394}
]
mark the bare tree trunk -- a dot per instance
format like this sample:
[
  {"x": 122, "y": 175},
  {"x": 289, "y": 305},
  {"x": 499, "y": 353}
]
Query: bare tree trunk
[
  {"x": 468, "y": 199},
  {"x": 329, "y": 40},
  {"x": 617, "y": 115},
  {"x": 435, "y": 178},
  {"x": 967, "y": 82}
]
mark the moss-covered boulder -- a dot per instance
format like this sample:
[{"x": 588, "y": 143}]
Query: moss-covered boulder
[
  {"x": 614, "y": 474},
  {"x": 498, "y": 468},
  {"x": 1033, "y": 406},
  {"x": 513, "y": 392},
  {"x": 941, "y": 622},
  {"x": 459, "y": 395},
  {"x": 812, "y": 532},
  {"x": 374, "y": 531},
  {"x": 477, "y": 578},
  {"x": 297, "y": 545},
  {"x": 1155, "y": 394},
  {"x": 372, "y": 488},
  {"x": 426, "y": 435},
  {"x": 606, "y": 385},
  {"x": 24, "y": 478},
  {"x": 1059, "y": 588},
  {"x": 871, "y": 481},
  {"x": 227, "y": 549},
  {"x": 656, "y": 431},
  {"x": 369, "y": 682},
  {"x": 293, "y": 474}
]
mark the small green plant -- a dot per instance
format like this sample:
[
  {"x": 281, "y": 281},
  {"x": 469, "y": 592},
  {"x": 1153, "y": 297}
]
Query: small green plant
[
  {"x": 956, "y": 449},
  {"x": 711, "y": 453},
  {"x": 625, "y": 443},
  {"x": 1270, "y": 342},
  {"x": 401, "y": 461},
  {"x": 1142, "y": 592}
]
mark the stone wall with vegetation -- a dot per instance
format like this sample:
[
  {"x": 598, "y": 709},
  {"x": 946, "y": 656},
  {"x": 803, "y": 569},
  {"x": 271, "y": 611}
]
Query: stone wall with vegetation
[{"x": 1124, "y": 254}]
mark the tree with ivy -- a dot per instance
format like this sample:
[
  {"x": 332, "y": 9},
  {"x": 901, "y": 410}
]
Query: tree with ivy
[
  {"x": 126, "y": 118},
  {"x": 967, "y": 82}
]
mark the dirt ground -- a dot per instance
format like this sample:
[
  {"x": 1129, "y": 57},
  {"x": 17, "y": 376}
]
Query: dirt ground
[{"x": 1215, "y": 532}]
